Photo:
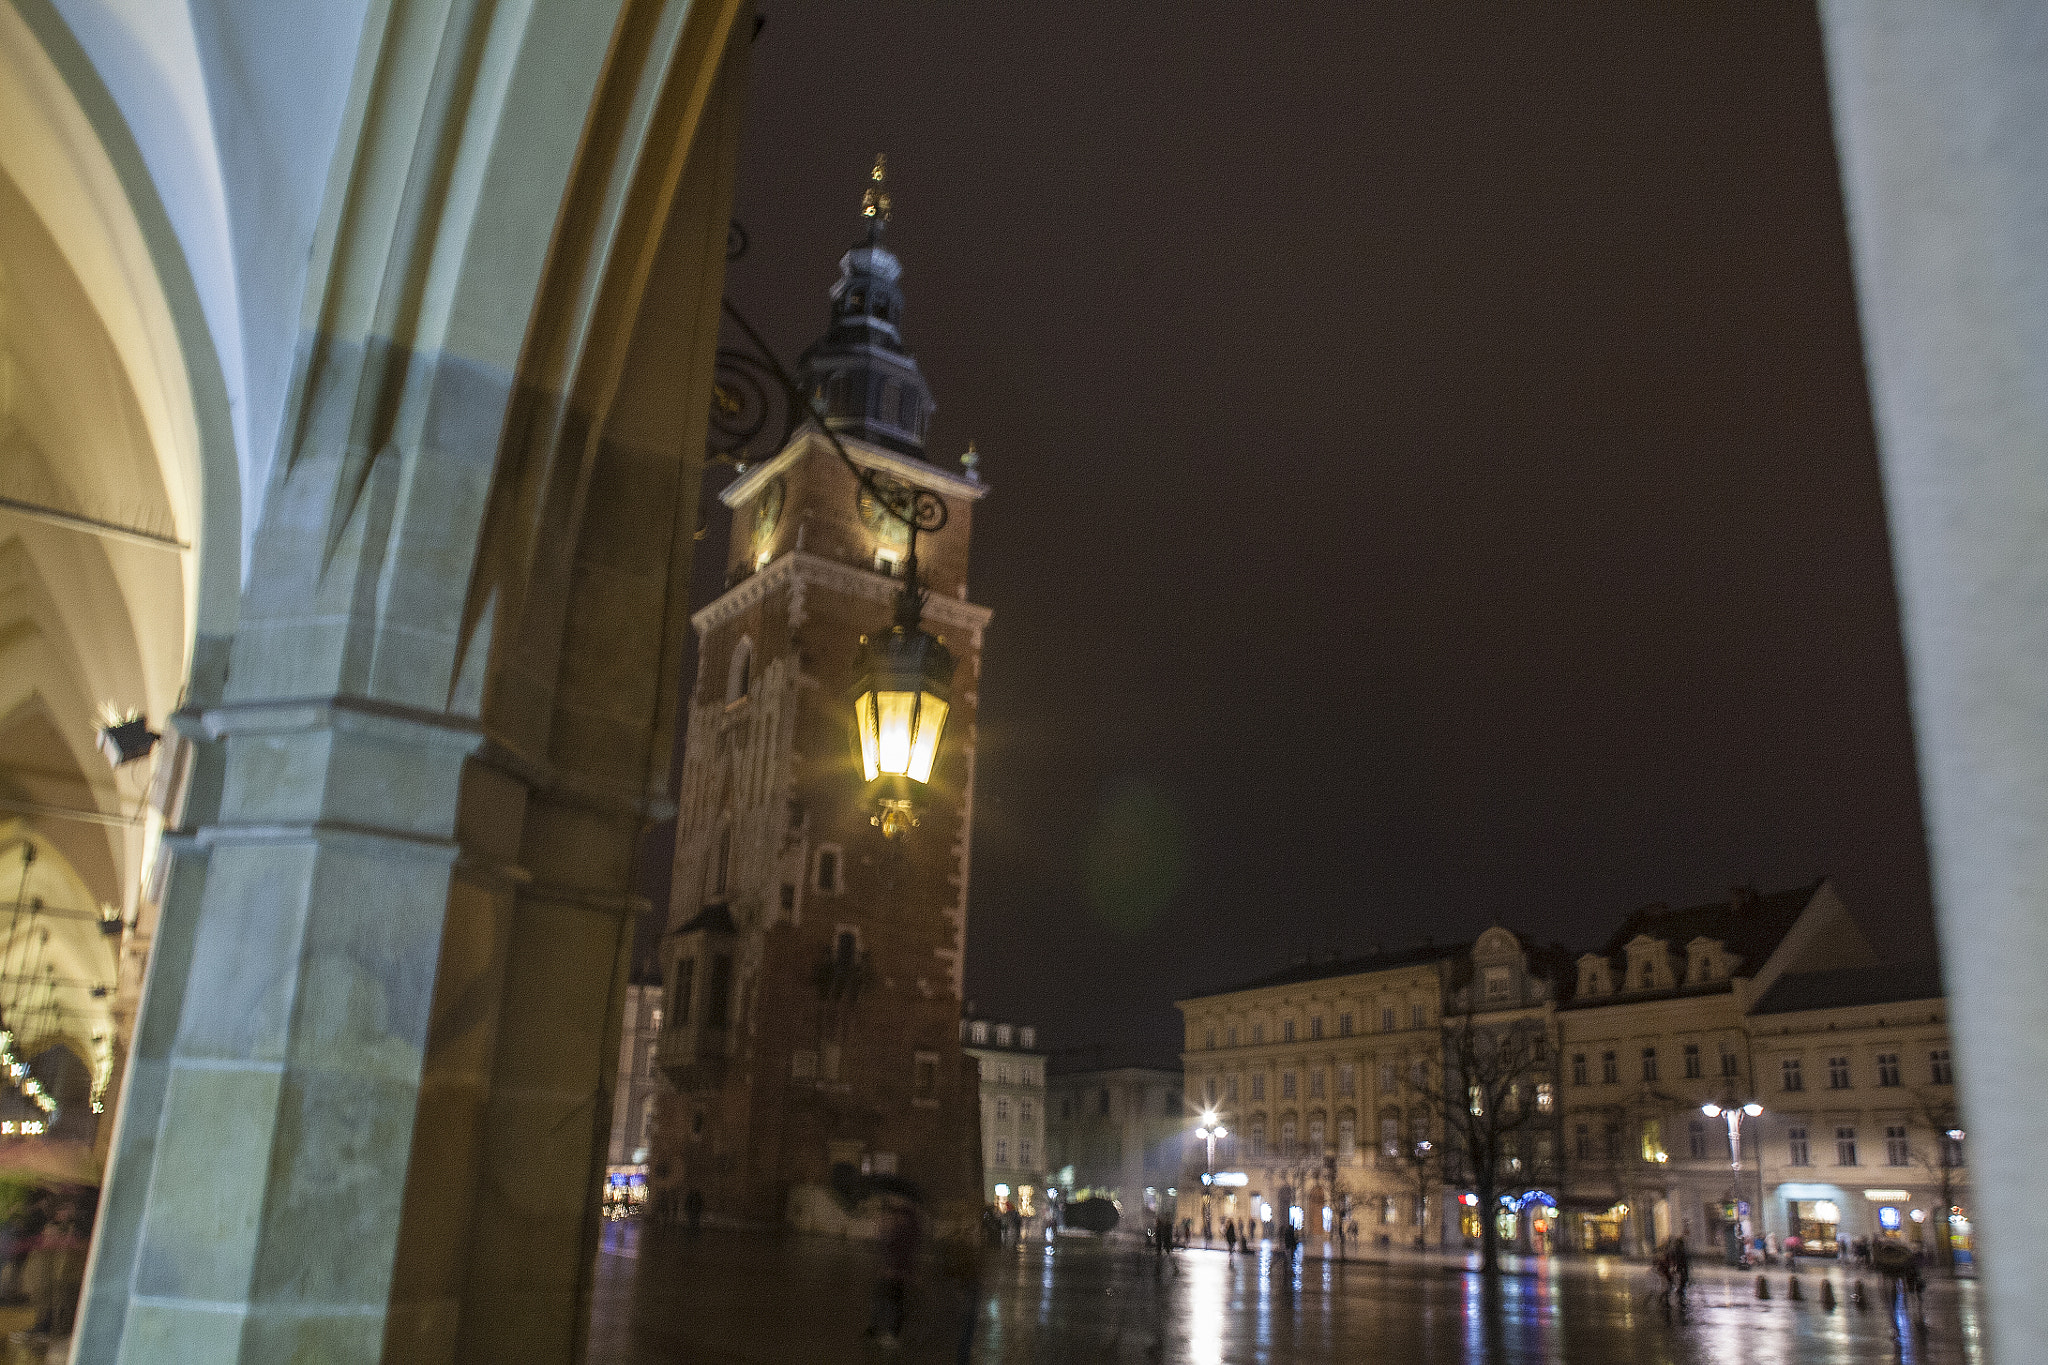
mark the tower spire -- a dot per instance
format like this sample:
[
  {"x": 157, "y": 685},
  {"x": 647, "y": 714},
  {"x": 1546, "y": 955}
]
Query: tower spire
[
  {"x": 874, "y": 202},
  {"x": 859, "y": 374}
]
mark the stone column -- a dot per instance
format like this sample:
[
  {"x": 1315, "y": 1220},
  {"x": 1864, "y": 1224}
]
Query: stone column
[
  {"x": 366, "y": 1113},
  {"x": 1941, "y": 118}
]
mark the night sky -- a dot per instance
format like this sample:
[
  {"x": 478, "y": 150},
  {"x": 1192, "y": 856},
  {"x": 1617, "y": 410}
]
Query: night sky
[{"x": 1433, "y": 475}]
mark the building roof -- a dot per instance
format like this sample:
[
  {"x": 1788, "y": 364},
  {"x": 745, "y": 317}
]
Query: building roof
[
  {"x": 1749, "y": 925},
  {"x": 1333, "y": 966},
  {"x": 1890, "y": 983}
]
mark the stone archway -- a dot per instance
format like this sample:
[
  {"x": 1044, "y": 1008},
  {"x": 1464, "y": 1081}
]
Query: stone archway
[{"x": 367, "y": 1105}]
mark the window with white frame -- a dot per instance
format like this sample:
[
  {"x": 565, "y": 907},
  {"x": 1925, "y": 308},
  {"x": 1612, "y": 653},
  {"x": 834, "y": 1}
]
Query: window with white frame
[
  {"x": 1287, "y": 1085},
  {"x": 1696, "y": 1139},
  {"x": 1230, "y": 1089},
  {"x": 1795, "y": 1142},
  {"x": 1794, "y": 1080},
  {"x": 1938, "y": 1068},
  {"x": 1002, "y": 1151},
  {"x": 1838, "y": 1073},
  {"x": 1347, "y": 1080},
  {"x": 1845, "y": 1146},
  {"x": 1887, "y": 1068},
  {"x": 1024, "y": 1153},
  {"x": 1896, "y": 1152},
  {"x": 1315, "y": 1026},
  {"x": 1315, "y": 1084},
  {"x": 1258, "y": 1085},
  {"x": 1693, "y": 1069},
  {"x": 1387, "y": 1019},
  {"x": 1287, "y": 1030},
  {"x": 1343, "y": 1026}
]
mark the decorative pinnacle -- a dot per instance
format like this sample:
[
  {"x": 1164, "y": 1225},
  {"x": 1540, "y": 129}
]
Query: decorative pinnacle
[
  {"x": 874, "y": 204},
  {"x": 971, "y": 459}
]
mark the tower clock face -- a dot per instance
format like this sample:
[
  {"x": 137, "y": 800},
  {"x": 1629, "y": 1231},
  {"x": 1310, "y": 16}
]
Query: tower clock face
[
  {"x": 767, "y": 512},
  {"x": 887, "y": 527}
]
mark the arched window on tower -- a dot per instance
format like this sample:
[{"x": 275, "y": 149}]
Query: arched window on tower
[{"x": 739, "y": 675}]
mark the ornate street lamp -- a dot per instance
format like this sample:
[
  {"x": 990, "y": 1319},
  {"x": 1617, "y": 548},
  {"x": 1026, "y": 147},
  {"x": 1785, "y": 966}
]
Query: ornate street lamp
[
  {"x": 902, "y": 680},
  {"x": 1733, "y": 1114}
]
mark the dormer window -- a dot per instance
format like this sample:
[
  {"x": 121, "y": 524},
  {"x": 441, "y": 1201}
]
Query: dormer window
[
  {"x": 1649, "y": 978},
  {"x": 977, "y": 1032},
  {"x": 857, "y": 301},
  {"x": 1002, "y": 1035}
]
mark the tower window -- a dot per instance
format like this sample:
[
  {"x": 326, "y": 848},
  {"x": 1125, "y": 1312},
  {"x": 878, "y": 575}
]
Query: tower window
[
  {"x": 739, "y": 675},
  {"x": 828, "y": 878}
]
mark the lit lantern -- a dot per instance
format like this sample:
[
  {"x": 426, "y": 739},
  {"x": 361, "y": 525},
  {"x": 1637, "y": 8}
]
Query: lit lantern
[{"x": 900, "y": 688}]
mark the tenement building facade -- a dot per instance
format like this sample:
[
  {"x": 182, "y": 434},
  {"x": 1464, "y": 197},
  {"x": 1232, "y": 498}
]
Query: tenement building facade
[
  {"x": 1012, "y": 1074},
  {"x": 1728, "y": 1072},
  {"x": 1658, "y": 1026},
  {"x": 1861, "y": 1135},
  {"x": 1320, "y": 1076},
  {"x": 813, "y": 965},
  {"x": 1116, "y": 1133}
]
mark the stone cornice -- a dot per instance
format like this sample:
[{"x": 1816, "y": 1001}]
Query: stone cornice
[
  {"x": 910, "y": 470},
  {"x": 802, "y": 567}
]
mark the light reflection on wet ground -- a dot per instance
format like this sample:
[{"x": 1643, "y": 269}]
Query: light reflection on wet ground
[{"x": 733, "y": 1297}]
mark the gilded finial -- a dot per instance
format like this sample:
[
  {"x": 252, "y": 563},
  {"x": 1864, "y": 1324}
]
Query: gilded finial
[
  {"x": 972, "y": 459},
  {"x": 875, "y": 203}
]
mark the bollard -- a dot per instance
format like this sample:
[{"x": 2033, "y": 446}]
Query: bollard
[
  {"x": 1763, "y": 1287},
  {"x": 1794, "y": 1292},
  {"x": 1856, "y": 1295},
  {"x": 1827, "y": 1295}
]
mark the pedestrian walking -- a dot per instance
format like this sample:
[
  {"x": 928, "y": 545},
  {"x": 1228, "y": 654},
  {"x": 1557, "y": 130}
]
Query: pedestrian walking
[
  {"x": 693, "y": 1211},
  {"x": 898, "y": 1255},
  {"x": 1229, "y": 1237}
]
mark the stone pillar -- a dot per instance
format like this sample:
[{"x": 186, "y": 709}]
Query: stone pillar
[
  {"x": 1941, "y": 118},
  {"x": 366, "y": 1111}
]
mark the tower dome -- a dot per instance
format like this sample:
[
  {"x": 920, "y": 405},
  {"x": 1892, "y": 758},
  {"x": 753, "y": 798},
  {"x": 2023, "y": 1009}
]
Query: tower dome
[{"x": 859, "y": 374}]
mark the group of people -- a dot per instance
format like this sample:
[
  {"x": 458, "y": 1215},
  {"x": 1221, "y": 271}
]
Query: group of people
[
  {"x": 1001, "y": 1227},
  {"x": 42, "y": 1255}
]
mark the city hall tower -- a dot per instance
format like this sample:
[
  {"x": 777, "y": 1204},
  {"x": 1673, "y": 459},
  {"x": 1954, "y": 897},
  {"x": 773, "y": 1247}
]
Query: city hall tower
[{"x": 812, "y": 967}]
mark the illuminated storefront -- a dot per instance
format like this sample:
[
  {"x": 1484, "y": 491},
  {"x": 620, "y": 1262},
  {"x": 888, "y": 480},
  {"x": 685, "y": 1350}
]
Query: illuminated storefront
[{"x": 1817, "y": 1224}]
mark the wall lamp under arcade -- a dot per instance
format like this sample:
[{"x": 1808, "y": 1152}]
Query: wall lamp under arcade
[{"x": 125, "y": 738}]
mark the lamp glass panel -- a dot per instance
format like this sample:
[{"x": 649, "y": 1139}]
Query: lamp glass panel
[
  {"x": 870, "y": 747},
  {"x": 931, "y": 722},
  {"x": 895, "y": 726}
]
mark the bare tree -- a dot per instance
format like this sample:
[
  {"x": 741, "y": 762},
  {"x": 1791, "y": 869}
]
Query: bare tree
[
  {"x": 1423, "y": 1165},
  {"x": 1941, "y": 1157},
  {"x": 1487, "y": 1094}
]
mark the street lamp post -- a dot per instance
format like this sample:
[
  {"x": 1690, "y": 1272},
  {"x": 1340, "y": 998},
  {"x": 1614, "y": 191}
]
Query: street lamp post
[
  {"x": 1208, "y": 1131},
  {"x": 1733, "y": 1114}
]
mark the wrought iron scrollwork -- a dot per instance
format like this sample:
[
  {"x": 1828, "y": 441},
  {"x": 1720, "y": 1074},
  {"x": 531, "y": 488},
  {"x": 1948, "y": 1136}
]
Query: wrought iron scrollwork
[
  {"x": 737, "y": 426},
  {"x": 752, "y": 415}
]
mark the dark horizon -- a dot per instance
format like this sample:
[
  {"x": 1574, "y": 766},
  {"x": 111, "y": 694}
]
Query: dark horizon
[{"x": 1433, "y": 473}]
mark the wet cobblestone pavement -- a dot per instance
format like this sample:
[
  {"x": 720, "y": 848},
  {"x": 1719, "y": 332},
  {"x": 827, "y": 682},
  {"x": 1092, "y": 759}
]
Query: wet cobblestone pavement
[{"x": 751, "y": 1299}]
